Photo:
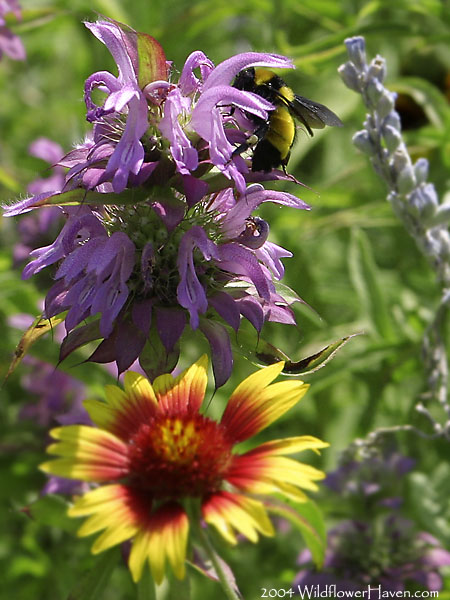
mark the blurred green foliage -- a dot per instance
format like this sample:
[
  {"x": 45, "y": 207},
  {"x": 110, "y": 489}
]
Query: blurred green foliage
[{"x": 353, "y": 262}]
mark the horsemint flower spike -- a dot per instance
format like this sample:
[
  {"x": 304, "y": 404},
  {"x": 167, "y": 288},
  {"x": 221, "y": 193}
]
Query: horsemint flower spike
[
  {"x": 162, "y": 234},
  {"x": 155, "y": 454},
  {"x": 10, "y": 44}
]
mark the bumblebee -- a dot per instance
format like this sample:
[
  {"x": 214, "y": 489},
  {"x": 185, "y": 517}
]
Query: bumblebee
[{"x": 273, "y": 138}]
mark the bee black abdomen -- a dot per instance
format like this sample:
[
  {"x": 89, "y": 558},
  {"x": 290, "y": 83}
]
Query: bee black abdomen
[{"x": 265, "y": 157}]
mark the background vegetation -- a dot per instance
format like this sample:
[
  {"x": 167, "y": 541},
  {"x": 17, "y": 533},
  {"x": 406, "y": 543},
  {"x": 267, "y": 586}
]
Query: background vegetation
[{"x": 354, "y": 264}]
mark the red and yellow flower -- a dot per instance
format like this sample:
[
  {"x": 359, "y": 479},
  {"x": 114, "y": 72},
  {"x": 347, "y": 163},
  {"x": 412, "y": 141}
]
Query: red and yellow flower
[{"x": 153, "y": 450}]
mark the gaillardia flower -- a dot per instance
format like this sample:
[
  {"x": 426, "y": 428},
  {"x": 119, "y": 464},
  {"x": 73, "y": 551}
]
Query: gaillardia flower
[{"x": 157, "y": 456}]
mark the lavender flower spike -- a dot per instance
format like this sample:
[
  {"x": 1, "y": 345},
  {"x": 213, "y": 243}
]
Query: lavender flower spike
[{"x": 414, "y": 201}]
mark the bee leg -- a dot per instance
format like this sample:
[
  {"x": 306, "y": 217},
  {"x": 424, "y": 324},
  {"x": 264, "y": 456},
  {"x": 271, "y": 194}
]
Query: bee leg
[{"x": 253, "y": 139}]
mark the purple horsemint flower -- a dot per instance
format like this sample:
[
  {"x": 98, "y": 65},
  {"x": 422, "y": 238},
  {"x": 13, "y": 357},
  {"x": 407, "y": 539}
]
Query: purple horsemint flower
[
  {"x": 162, "y": 234},
  {"x": 148, "y": 271},
  {"x": 375, "y": 478},
  {"x": 180, "y": 135},
  {"x": 59, "y": 396},
  {"x": 388, "y": 552},
  {"x": 10, "y": 44},
  {"x": 56, "y": 397},
  {"x": 41, "y": 226}
]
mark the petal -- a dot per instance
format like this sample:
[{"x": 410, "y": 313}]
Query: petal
[
  {"x": 228, "y": 69},
  {"x": 226, "y": 307},
  {"x": 262, "y": 474},
  {"x": 222, "y": 356},
  {"x": 125, "y": 410},
  {"x": 112, "y": 509},
  {"x": 110, "y": 35},
  {"x": 235, "y": 258},
  {"x": 228, "y": 512},
  {"x": 185, "y": 393},
  {"x": 290, "y": 445},
  {"x": 164, "y": 537},
  {"x": 87, "y": 453},
  {"x": 170, "y": 323},
  {"x": 255, "y": 404}
]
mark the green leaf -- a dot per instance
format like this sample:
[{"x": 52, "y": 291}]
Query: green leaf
[
  {"x": 146, "y": 586},
  {"x": 366, "y": 279},
  {"x": 37, "y": 329},
  {"x": 152, "y": 60},
  {"x": 267, "y": 354},
  {"x": 92, "y": 585},
  {"x": 308, "y": 519},
  {"x": 81, "y": 196},
  {"x": 51, "y": 510},
  {"x": 206, "y": 568},
  {"x": 32, "y": 18}
]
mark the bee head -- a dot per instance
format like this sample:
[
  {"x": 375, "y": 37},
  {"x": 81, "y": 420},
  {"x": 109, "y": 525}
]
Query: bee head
[{"x": 245, "y": 80}]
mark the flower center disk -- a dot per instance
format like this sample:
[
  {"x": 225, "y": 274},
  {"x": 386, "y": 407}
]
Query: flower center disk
[{"x": 173, "y": 457}]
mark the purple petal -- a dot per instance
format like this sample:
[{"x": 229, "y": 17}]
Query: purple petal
[
  {"x": 227, "y": 308},
  {"x": 188, "y": 82},
  {"x": 279, "y": 314},
  {"x": 252, "y": 310},
  {"x": 227, "y": 70},
  {"x": 241, "y": 261},
  {"x": 130, "y": 342},
  {"x": 270, "y": 255},
  {"x": 437, "y": 557},
  {"x": 110, "y": 35},
  {"x": 183, "y": 153},
  {"x": 170, "y": 210},
  {"x": 223, "y": 95},
  {"x": 190, "y": 292},
  {"x": 128, "y": 155},
  {"x": 194, "y": 189},
  {"x": 26, "y": 205},
  {"x": 100, "y": 79},
  {"x": 141, "y": 313},
  {"x": 170, "y": 323},
  {"x": 61, "y": 485},
  {"x": 222, "y": 357},
  {"x": 11, "y": 44},
  {"x": 46, "y": 149}
]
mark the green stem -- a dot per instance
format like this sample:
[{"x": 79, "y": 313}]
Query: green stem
[{"x": 214, "y": 557}]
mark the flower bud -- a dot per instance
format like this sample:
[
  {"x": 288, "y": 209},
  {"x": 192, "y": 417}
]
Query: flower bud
[
  {"x": 363, "y": 142},
  {"x": 424, "y": 201},
  {"x": 349, "y": 76},
  {"x": 377, "y": 69},
  {"x": 393, "y": 119},
  {"x": 374, "y": 91},
  {"x": 406, "y": 180},
  {"x": 386, "y": 104},
  {"x": 391, "y": 137},
  {"x": 421, "y": 170},
  {"x": 356, "y": 48}
]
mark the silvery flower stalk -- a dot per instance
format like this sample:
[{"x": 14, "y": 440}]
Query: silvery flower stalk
[{"x": 414, "y": 200}]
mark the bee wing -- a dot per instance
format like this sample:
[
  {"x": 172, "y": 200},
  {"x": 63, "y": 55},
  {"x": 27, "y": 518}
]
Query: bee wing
[{"x": 313, "y": 114}]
